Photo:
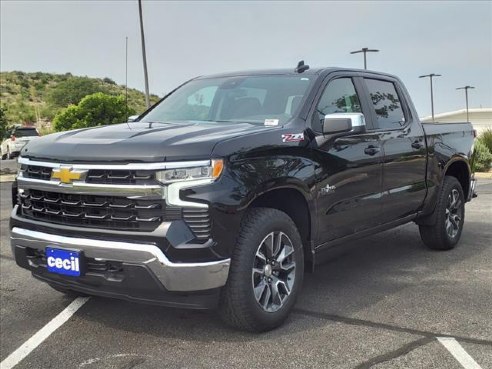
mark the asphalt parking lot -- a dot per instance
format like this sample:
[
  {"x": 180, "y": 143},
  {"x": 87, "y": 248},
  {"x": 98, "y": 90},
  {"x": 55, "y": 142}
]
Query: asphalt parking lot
[{"x": 381, "y": 304}]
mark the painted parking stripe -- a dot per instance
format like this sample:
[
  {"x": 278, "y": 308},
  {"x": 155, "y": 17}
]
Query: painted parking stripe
[
  {"x": 27, "y": 347},
  {"x": 459, "y": 353}
]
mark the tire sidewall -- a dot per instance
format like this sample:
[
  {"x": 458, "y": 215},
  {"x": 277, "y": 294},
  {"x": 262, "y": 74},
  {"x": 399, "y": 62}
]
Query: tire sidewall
[{"x": 265, "y": 225}]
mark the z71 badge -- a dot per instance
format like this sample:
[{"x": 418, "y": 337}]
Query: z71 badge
[{"x": 293, "y": 137}]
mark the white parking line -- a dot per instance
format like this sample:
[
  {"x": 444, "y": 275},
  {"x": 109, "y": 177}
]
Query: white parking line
[
  {"x": 15, "y": 357},
  {"x": 459, "y": 353}
]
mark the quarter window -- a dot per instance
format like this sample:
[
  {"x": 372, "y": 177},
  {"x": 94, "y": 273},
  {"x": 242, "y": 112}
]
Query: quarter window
[
  {"x": 386, "y": 103},
  {"x": 339, "y": 96}
]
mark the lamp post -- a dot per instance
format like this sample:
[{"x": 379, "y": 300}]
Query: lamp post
[
  {"x": 466, "y": 88},
  {"x": 365, "y": 50},
  {"x": 147, "y": 100},
  {"x": 126, "y": 76},
  {"x": 431, "y": 76}
]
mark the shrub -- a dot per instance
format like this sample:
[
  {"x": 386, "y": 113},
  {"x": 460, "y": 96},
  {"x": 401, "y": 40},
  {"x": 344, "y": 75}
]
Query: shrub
[
  {"x": 486, "y": 138},
  {"x": 93, "y": 110},
  {"x": 482, "y": 157}
]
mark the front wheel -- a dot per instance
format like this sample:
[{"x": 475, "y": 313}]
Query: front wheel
[
  {"x": 450, "y": 217},
  {"x": 267, "y": 269}
]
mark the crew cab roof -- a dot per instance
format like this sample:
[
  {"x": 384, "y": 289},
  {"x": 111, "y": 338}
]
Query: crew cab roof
[{"x": 291, "y": 71}]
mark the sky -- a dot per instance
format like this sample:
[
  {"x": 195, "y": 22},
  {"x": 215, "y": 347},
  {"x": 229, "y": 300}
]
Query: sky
[{"x": 187, "y": 39}]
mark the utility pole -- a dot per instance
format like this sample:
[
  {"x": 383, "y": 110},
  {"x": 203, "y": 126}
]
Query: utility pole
[
  {"x": 147, "y": 100},
  {"x": 431, "y": 76},
  {"x": 466, "y": 88},
  {"x": 365, "y": 50},
  {"x": 126, "y": 76}
]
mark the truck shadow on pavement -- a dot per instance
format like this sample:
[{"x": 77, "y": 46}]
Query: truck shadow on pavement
[{"x": 372, "y": 273}]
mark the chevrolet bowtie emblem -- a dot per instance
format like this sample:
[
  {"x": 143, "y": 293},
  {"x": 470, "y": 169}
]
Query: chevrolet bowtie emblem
[{"x": 66, "y": 175}]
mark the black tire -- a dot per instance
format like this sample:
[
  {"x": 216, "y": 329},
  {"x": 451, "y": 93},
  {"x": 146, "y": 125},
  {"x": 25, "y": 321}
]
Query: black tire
[
  {"x": 438, "y": 236},
  {"x": 67, "y": 292},
  {"x": 238, "y": 305}
]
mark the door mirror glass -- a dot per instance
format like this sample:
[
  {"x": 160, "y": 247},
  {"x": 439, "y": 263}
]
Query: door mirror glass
[{"x": 344, "y": 123}]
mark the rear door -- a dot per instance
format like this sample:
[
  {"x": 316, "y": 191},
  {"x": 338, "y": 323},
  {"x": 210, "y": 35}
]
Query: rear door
[
  {"x": 350, "y": 173},
  {"x": 403, "y": 145}
]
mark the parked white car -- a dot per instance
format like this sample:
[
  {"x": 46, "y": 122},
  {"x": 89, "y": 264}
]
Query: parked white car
[{"x": 15, "y": 140}]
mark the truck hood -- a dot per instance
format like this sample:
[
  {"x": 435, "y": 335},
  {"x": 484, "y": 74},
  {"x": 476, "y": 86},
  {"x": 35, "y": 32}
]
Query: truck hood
[{"x": 136, "y": 142}]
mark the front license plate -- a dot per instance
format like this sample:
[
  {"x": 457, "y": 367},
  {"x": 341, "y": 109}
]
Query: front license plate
[{"x": 63, "y": 261}]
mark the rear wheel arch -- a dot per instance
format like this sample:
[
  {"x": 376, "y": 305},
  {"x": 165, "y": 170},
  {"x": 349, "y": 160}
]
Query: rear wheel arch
[{"x": 461, "y": 171}]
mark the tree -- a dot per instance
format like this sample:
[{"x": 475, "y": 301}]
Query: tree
[
  {"x": 3, "y": 123},
  {"x": 72, "y": 90},
  {"x": 94, "y": 110}
]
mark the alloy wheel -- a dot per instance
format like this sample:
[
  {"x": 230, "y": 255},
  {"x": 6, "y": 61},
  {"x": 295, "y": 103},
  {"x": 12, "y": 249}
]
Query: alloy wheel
[
  {"x": 273, "y": 272},
  {"x": 454, "y": 213}
]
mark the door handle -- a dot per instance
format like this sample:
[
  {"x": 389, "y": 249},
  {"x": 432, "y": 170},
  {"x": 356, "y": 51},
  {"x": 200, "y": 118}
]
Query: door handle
[
  {"x": 417, "y": 145},
  {"x": 371, "y": 150}
]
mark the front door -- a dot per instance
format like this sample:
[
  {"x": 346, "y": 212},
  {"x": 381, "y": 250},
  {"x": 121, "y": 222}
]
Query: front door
[{"x": 350, "y": 173}]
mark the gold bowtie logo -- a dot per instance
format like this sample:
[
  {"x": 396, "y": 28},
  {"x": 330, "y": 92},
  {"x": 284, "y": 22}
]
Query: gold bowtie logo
[{"x": 66, "y": 175}]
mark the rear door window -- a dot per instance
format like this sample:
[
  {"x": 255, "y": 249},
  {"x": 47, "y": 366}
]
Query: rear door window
[{"x": 386, "y": 103}]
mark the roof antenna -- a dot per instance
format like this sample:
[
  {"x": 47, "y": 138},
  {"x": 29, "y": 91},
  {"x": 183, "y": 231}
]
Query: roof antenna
[{"x": 301, "y": 67}]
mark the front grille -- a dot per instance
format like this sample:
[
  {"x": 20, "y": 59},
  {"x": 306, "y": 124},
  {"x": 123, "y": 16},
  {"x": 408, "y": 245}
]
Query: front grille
[
  {"x": 97, "y": 176},
  {"x": 36, "y": 172},
  {"x": 129, "y": 177},
  {"x": 199, "y": 222},
  {"x": 95, "y": 211},
  {"x": 109, "y": 212}
]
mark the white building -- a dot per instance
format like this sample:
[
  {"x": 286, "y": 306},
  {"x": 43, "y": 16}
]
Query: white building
[{"x": 481, "y": 118}]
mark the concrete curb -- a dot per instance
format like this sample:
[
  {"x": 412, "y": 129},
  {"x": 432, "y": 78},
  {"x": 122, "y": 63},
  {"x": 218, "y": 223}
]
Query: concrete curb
[
  {"x": 483, "y": 175},
  {"x": 7, "y": 178}
]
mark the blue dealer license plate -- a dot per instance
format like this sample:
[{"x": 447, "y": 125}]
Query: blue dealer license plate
[{"x": 63, "y": 261}]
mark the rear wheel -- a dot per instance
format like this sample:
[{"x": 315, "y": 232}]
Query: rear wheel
[
  {"x": 450, "y": 217},
  {"x": 266, "y": 273}
]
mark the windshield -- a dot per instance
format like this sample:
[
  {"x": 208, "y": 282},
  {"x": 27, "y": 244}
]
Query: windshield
[
  {"x": 251, "y": 99},
  {"x": 26, "y": 132}
]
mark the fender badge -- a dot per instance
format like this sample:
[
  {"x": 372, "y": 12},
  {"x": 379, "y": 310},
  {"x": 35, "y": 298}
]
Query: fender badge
[
  {"x": 293, "y": 137},
  {"x": 328, "y": 189}
]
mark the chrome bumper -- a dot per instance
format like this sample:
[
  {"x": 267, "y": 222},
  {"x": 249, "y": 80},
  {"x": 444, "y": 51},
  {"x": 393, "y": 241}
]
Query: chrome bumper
[
  {"x": 173, "y": 276},
  {"x": 471, "y": 191}
]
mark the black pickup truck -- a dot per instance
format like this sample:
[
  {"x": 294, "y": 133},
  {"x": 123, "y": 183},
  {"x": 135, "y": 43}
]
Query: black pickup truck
[{"x": 226, "y": 191}]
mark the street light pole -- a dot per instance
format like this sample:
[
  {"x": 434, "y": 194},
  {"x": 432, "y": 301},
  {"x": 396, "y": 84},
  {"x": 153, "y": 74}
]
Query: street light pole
[
  {"x": 466, "y": 88},
  {"x": 126, "y": 76},
  {"x": 365, "y": 50},
  {"x": 147, "y": 100},
  {"x": 431, "y": 76}
]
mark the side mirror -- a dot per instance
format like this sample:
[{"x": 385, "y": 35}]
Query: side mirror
[
  {"x": 344, "y": 122},
  {"x": 132, "y": 118}
]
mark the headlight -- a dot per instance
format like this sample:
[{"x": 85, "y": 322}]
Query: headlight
[{"x": 212, "y": 171}]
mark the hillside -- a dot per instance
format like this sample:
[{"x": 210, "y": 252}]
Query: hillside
[{"x": 37, "y": 97}]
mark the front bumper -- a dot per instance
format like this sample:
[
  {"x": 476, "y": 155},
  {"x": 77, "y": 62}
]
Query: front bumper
[
  {"x": 147, "y": 259},
  {"x": 471, "y": 192}
]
